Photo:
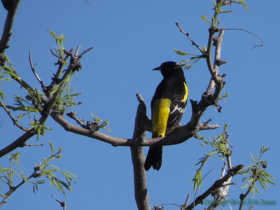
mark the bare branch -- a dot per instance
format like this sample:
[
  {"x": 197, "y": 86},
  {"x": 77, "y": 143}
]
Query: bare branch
[
  {"x": 213, "y": 70},
  {"x": 180, "y": 134},
  {"x": 208, "y": 98},
  {"x": 18, "y": 142},
  {"x": 138, "y": 158},
  {"x": 79, "y": 121},
  {"x": 7, "y": 31},
  {"x": 205, "y": 126},
  {"x": 62, "y": 203},
  {"x": 9, "y": 107},
  {"x": 81, "y": 55},
  {"x": 249, "y": 33},
  {"x": 193, "y": 43},
  {"x": 186, "y": 203},
  {"x": 77, "y": 50},
  {"x": 34, "y": 72},
  {"x": 49, "y": 104},
  {"x": 32, "y": 145}
]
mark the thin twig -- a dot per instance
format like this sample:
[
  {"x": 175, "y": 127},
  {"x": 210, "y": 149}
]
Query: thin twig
[
  {"x": 193, "y": 43},
  {"x": 85, "y": 52},
  {"x": 209, "y": 127},
  {"x": 79, "y": 121},
  {"x": 228, "y": 156},
  {"x": 11, "y": 116},
  {"x": 166, "y": 204},
  {"x": 186, "y": 203},
  {"x": 247, "y": 32},
  {"x": 224, "y": 169},
  {"x": 62, "y": 203},
  {"x": 77, "y": 50},
  {"x": 10, "y": 107},
  {"x": 34, "y": 72},
  {"x": 242, "y": 197},
  {"x": 89, "y": 3},
  {"x": 32, "y": 145}
]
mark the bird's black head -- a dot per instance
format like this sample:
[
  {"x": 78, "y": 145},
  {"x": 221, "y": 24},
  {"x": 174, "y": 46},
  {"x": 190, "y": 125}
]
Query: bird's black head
[{"x": 170, "y": 69}]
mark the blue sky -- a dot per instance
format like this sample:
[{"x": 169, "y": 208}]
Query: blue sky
[{"x": 129, "y": 39}]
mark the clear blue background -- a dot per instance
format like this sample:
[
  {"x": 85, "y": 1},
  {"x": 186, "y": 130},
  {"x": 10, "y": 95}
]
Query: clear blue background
[{"x": 129, "y": 39}]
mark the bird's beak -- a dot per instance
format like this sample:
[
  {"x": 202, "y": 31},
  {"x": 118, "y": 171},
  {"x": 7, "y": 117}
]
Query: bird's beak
[{"x": 157, "y": 68}]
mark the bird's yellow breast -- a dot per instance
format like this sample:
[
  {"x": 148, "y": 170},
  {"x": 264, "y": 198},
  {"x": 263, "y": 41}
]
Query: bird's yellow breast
[{"x": 161, "y": 110}]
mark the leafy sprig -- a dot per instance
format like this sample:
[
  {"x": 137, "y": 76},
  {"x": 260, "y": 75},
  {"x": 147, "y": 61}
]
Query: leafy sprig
[
  {"x": 219, "y": 145},
  {"x": 44, "y": 169},
  {"x": 255, "y": 173}
]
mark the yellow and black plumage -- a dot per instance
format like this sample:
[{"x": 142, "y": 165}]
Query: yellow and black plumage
[{"x": 168, "y": 106}]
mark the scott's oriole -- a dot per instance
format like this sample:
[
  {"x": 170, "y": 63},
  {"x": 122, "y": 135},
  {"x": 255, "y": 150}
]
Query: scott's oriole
[{"x": 168, "y": 106}]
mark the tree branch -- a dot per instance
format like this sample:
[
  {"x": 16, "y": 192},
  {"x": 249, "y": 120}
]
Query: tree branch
[
  {"x": 34, "y": 72},
  {"x": 50, "y": 102},
  {"x": 11, "y": 6},
  {"x": 180, "y": 134},
  {"x": 193, "y": 43},
  {"x": 219, "y": 183},
  {"x": 138, "y": 158},
  {"x": 62, "y": 203}
]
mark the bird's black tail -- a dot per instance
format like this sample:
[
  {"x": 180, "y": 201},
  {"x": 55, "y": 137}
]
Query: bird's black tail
[{"x": 154, "y": 158}]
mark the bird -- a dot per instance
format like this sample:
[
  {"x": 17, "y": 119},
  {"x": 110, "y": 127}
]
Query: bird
[{"x": 168, "y": 105}]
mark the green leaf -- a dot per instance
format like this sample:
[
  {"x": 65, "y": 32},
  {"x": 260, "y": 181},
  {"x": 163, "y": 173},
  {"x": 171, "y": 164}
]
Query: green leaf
[
  {"x": 246, "y": 185},
  {"x": 214, "y": 3},
  {"x": 7, "y": 79},
  {"x": 201, "y": 144},
  {"x": 227, "y": 11},
  {"x": 183, "y": 53},
  {"x": 68, "y": 173},
  {"x": 49, "y": 172},
  {"x": 66, "y": 186},
  {"x": 252, "y": 157},
  {"x": 38, "y": 132},
  {"x": 45, "y": 127},
  {"x": 16, "y": 156},
  {"x": 257, "y": 190},
  {"x": 53, "y": 34},
  {"x": 2, "y": 95},
  {"x": 4, "y": 169},
  {"x": 19, "y": 117},
  {"x": 244, "y": 4},
  {"x": 45, "y": 163},
  {"x": 51, "y": 145},
  {"x": 197, "y": 180},
  {"x": 10, "y": 72},
  {"x": 204, "y": 18}
]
